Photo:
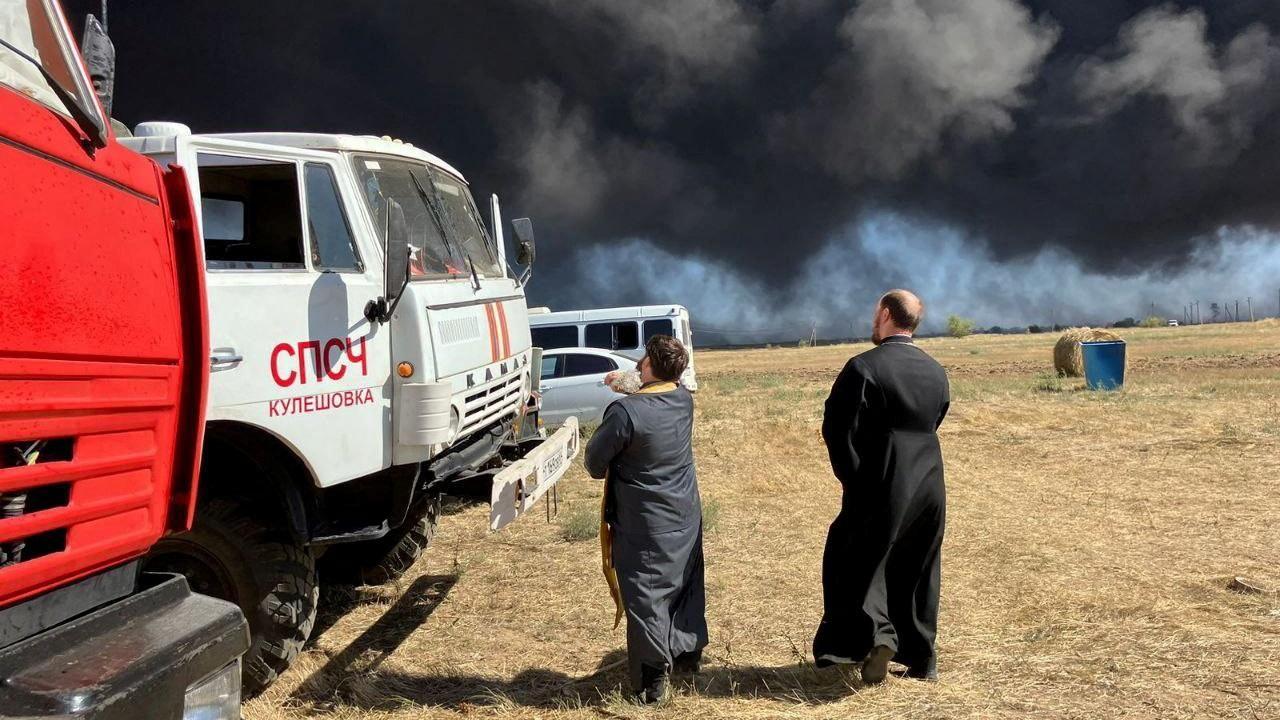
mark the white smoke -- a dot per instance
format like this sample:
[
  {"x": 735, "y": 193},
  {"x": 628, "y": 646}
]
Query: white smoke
[{"x": 837, "y": 289}]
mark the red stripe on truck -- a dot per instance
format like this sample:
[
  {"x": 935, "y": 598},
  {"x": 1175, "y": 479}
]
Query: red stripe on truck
[
  {"x": 493, "y": 332},
  {"x": 506, "y": 334}
]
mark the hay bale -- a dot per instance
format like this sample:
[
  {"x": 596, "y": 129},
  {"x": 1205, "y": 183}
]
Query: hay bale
[
  {"x": 1248, "y": 587},
  {"x": 1067, "y": 358}
]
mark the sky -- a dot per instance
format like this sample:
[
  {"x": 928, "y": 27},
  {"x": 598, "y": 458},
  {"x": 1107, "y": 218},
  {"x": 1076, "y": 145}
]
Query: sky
[{"x": 776, "y": 165}]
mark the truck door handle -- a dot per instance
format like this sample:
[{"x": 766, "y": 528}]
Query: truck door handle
[
  {"x": 543, "y": 388},
  {"x": 225, "y": 358}
]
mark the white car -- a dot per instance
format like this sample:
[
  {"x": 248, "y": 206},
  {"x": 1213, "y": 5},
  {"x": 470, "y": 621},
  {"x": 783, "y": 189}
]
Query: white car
[{"x": 573, "y": 383}]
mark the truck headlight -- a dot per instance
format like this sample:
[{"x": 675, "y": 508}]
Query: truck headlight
[{"x": 217, "y": 697}]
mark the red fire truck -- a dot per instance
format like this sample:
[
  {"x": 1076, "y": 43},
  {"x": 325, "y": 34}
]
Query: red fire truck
[{"x": 103, "y": 376}]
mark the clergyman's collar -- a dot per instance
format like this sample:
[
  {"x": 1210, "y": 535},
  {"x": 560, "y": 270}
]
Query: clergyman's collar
[
  {"x": 897, "y": 339},
  {"x": 657, "y": 387}
]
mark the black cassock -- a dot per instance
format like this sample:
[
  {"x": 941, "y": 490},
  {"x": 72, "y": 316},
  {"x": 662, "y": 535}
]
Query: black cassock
[
  {"x": 645, "y": 446},
  {"x": 882, "y": 566}
]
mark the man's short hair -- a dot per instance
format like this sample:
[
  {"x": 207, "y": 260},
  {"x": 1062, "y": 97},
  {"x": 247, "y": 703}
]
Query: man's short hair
[
  {"x": 905, "y": 309},
  {"x": 667, "y": 357}
]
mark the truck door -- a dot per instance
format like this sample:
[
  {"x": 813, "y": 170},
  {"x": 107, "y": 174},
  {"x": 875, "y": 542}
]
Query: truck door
[
  {"x": 288, "y": 282},
  {"x": 98, "y": 319}
]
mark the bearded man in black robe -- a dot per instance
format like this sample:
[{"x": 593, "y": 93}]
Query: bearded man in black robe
[
  {"x": 653, "y": 515},
  {"x": 882, "y": 566}
]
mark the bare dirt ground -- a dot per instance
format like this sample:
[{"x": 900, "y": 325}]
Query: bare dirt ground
[{"x": 1091, "y": 541}]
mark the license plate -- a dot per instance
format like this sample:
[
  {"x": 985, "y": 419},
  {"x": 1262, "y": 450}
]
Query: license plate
[{"x": 553, "y": 464}]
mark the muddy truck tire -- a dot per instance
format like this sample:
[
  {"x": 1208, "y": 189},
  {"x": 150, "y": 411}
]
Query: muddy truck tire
[
  {"x": 375, "y": 562},
  {"x": 232, "y": 554}
]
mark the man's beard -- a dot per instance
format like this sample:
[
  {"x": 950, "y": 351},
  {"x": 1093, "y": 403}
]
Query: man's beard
[{"x": 876, "y": 337}]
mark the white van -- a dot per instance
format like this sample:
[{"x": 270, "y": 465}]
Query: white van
[{"x": 623, "y": 330}]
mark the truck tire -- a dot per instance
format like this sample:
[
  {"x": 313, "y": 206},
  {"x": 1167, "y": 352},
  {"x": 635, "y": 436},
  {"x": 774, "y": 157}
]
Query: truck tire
[
  {"x": 375, "y": 562},
  {"x": 234, "y": 555}
]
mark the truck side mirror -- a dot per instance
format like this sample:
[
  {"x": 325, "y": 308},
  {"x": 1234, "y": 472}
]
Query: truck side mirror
[
  {"x": 523, "y": 228},
  {"x": 100, "y": 60},
  {"x": 396, "y": 253}
]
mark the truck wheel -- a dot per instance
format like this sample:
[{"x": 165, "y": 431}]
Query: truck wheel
[
  {"x": 375, "y": 562},
  {"x": 233, "y": 555}
]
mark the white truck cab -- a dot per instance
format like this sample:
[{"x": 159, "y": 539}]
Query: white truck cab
[{"x": 370, "y": 350}]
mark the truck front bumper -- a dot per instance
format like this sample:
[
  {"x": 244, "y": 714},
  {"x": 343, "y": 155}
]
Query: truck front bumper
[
  {"x": 138, "y": 657},
  {"x": 517, "y": 487}
]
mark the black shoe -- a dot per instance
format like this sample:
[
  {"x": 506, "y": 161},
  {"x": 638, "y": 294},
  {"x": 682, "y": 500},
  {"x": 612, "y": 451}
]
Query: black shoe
[
  {"x": 688, "y": 663},
  {"x": 876, "y": 667},
  {"x": 657, "y": 686},
  {"x": 927, "y": 673}
]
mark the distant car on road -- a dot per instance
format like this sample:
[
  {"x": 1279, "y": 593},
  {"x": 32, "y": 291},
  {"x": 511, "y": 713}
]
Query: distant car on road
[
  {"x": 1173, "y": 323},
  {"x": 573, "y": 383}
]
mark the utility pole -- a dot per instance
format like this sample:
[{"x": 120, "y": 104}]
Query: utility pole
[
  {"x": 1237, "y": 317},
  {"x": 1250, "y": 301}
]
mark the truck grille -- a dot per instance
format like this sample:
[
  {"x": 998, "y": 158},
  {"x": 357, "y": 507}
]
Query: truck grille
[
  {"x": 491, "y": 403},
  {"x": 19, "y": 502},
  {"x": 85, "y": 467}
]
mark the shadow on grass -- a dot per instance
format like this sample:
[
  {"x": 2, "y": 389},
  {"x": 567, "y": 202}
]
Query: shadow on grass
[
  {"x": 336, "y": 600},
  {"x": 373, "y": 646},
  {"x": 605, "y": 687},
  {"x": 354, "y": 677}
]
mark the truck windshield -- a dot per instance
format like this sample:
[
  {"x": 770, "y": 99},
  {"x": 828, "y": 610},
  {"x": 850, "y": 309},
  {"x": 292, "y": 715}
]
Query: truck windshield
[
  {"x": 31, "y": 41},
  {"x": 445, "y": 232}
]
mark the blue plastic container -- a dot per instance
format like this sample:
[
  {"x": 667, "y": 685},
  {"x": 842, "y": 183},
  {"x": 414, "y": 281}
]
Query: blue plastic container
[{"x": 1103, "y": 364}]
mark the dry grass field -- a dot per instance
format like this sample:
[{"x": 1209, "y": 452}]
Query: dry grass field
[{"x": 1091, "y": 541}]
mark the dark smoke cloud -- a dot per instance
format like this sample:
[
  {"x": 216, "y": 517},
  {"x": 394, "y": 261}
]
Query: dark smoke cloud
[
  {"x": 1210, "y": 92},
  {"x": 755, "y": 139},
  {"x": 912, "y": 77}
]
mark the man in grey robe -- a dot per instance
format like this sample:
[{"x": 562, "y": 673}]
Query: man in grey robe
[{"x": 644, "y": 447}]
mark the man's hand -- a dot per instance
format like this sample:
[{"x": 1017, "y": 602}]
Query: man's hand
[{"x": 626, "y": 382}]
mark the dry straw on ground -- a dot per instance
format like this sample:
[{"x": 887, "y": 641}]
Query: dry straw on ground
[
  {"x": 1092, "y": 544},
  {"x": 1068, "y": 360}
]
